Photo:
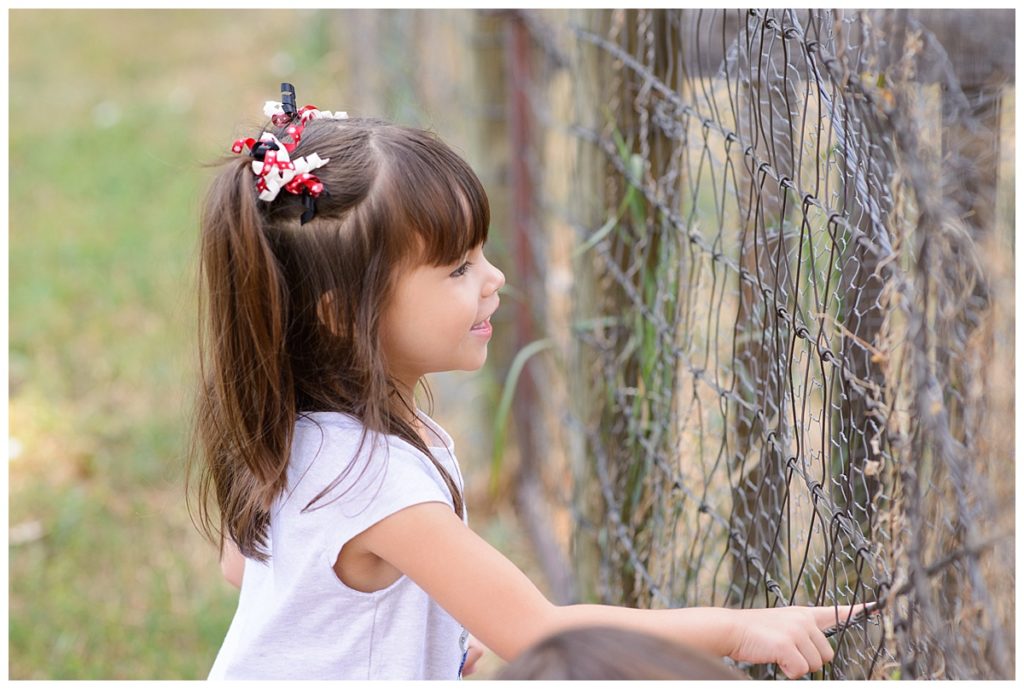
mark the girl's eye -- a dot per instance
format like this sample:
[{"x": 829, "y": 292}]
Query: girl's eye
[{"x": 461, "y": 270}]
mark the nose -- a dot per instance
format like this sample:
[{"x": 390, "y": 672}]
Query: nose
[{"x": 499, "y": 279}]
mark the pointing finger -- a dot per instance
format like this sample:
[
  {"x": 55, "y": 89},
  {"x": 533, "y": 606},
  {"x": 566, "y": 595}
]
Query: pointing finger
[{"x": 834, "y": 619}]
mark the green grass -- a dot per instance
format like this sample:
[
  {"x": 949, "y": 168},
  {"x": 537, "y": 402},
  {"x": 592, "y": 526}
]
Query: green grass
[
  {"x": 99, "y": 598},
  {"x": 102, "y": 240},
  {"x": 113, "y": 115}
]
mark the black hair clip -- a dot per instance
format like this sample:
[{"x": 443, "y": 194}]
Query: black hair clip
[{"x": 288, "y": 100}]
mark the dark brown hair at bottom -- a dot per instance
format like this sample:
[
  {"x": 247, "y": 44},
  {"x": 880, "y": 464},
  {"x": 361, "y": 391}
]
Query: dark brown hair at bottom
[{"x": 609, "y": 653}]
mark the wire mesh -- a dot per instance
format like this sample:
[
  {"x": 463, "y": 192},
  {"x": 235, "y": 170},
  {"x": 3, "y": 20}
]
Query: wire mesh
[{"x": 782, "y": 328}]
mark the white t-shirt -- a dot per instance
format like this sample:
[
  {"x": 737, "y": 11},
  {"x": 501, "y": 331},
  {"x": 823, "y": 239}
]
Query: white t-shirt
[{"x": 295, "y": 618}]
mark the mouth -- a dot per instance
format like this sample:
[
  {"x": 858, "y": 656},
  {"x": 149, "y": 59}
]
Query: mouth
[{"x": 484, "y": 326}]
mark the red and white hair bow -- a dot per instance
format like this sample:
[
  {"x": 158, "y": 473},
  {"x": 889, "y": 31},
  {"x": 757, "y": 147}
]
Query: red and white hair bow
[
  {"x": 277, "y": 171},
  {"x": 274, "y": 167}
]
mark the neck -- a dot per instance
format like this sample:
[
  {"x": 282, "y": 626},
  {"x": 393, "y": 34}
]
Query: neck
[{"x": 405, "y": 405}]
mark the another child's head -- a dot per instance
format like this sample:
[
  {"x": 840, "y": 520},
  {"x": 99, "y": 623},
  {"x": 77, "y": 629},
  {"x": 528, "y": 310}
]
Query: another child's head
[
  {"x": 332, "y": 298},
  {"x": 609, "y": 653}
]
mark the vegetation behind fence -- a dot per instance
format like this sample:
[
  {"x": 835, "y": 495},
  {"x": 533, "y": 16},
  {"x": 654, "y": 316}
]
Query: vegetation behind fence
[{"x": 791, "y": 326}]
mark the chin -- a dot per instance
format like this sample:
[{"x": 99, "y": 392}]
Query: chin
[{"x": 475, "y": 366}]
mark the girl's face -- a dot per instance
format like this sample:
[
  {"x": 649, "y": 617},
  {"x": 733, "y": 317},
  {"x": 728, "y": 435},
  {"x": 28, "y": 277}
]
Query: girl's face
[{"x": 438, "y": 319}]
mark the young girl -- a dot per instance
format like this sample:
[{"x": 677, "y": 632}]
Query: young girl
[{"x": 343, "y": 259}]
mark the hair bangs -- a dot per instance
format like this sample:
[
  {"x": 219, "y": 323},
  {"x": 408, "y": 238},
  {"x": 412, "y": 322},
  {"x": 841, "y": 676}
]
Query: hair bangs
[{"x": 444, "y": 203}]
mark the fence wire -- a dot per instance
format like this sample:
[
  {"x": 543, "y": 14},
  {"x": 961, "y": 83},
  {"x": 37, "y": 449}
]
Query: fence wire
[{"x": 782, "y": 329}]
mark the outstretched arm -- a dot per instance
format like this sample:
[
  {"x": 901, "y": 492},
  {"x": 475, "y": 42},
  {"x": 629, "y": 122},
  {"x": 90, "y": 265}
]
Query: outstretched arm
[{"x": 499, "y": 605}]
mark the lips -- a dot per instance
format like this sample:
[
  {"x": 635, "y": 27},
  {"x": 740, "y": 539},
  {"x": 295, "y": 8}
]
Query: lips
[
  {"x": 485, "y": 324},
  {"x": 482, "y": 331}
]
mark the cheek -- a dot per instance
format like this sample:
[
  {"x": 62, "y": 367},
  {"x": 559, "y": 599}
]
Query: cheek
[
  {"x": 431, "y": 319},
  {"x": 430, "y": 327},
  {"x": 453, "y": 307},
  {"x": 453, "y": 319}
]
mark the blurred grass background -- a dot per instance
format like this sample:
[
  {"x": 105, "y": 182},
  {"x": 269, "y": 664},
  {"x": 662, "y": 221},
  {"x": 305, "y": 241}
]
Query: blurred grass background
[{"x": 113, "y": 115}]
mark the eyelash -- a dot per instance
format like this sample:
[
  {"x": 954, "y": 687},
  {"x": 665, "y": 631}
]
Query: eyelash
[{"x": 461, "y": 270}]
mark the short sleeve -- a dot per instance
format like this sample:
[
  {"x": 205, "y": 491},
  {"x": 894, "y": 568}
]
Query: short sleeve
[{"x": 373, "y": 487}]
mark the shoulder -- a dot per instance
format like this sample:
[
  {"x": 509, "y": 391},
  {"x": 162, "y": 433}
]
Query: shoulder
[
  {"x": 327, "y": 420},
  {"x": 335, "y": 432},
  {"x": 326, "y": 438},
  {"x": 329, "y": 446}
]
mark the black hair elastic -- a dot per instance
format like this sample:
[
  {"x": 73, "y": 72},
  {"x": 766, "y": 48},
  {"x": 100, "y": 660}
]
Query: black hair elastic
[
  {"x": 260, "y": 148},
  {"x": 309, "y": 204}
]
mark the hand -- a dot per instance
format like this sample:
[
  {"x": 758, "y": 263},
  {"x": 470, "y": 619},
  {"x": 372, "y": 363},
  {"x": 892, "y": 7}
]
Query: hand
[
  {"x": 474, "y": 653},
  {"x": 791, "y": 637}
]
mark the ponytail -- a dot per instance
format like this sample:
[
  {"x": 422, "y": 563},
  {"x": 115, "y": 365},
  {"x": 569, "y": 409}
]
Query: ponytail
[{"x": 246, "y": 410}]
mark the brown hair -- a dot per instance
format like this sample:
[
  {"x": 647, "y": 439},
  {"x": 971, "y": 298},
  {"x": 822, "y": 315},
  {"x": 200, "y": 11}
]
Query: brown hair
[
  {"x": 611, "y": 653},
  {"x": 290, "y": 319}
]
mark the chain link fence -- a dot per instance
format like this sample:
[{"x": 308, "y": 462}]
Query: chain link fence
[
  {"x": 759, "y": 323},
  {"x": 768, "y": 256}
]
